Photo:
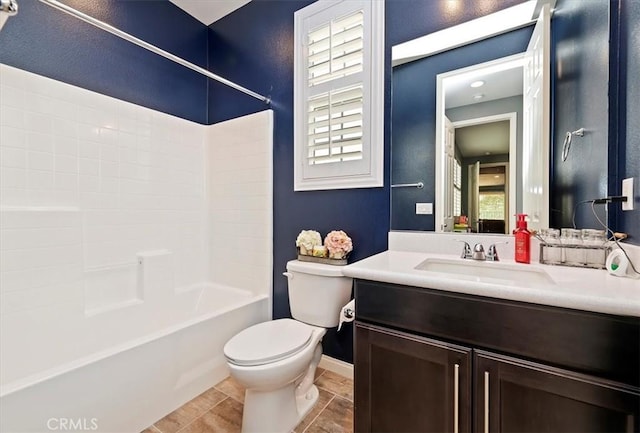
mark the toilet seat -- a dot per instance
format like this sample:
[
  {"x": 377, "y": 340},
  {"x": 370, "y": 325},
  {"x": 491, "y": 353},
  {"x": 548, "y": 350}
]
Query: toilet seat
[{"x": 268, "y": 342}]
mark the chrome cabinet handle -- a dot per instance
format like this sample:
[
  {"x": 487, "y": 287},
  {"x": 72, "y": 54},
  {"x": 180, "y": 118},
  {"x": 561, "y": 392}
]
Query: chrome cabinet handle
[
  {"x": 486, "y": 402},
  {"x": 456, "y": 396}
]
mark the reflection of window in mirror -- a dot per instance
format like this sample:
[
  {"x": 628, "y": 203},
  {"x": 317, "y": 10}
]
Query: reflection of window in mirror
[
  {"x": 457, "y": 188},
  {"x": 492, "y": 198},
  {"x": 492, "y": 205}
]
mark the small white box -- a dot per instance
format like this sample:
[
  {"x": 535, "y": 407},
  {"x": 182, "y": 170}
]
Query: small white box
[{"x": 424, "y": 208}]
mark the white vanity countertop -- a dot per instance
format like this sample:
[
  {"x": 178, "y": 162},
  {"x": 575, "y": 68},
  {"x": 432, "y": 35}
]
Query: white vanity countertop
[{"x": 576, "y": 288}]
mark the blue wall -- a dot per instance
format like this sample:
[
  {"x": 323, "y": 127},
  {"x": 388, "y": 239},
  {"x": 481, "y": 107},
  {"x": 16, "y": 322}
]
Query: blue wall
[
  {"x": 48, "y": 42},
  {"x": 580, "y": 74},
  {"x": 629, "y": 104},
  {"x": 254, "y": 47},
  {"x": 413, "y": 108}
]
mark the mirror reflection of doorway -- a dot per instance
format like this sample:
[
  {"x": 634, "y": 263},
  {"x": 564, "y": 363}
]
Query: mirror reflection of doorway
[
  {"x": 483, "y": 149},
  {"x": 493, "y": 198},
  {"x": 487, "y": 200}
]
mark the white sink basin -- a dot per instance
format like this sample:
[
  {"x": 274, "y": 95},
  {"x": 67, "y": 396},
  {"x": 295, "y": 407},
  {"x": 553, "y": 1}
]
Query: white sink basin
[{"x": 488, "y": 272}]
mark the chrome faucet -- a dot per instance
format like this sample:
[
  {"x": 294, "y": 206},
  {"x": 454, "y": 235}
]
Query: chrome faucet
[
  {"x": 492, "y": 254},
  {"x": 478, "y": 252},
  {"x": 466, "y": 250}
]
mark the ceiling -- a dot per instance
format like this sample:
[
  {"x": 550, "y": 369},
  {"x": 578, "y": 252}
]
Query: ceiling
[
  {"x": 477, "y": 140},
  {"x": 497, "y": 85},
  {"x": 208, "y": 11}
]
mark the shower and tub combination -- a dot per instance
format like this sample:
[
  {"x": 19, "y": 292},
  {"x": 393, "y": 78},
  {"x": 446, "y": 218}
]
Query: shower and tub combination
[{"x": 125, "y": 239}]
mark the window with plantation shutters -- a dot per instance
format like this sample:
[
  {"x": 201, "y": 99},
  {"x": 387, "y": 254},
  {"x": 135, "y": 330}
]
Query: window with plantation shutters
[{"x": 338, "y": 119}]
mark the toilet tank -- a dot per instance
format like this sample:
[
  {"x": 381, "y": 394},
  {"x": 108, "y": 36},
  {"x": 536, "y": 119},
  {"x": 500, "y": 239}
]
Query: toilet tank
[{"x": 317, "y": 292}]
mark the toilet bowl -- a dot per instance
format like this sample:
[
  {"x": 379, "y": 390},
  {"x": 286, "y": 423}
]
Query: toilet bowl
[{"x": 276, "y": 361}]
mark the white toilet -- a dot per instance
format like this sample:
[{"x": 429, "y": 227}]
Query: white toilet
[{"x": 276, "y": 361}]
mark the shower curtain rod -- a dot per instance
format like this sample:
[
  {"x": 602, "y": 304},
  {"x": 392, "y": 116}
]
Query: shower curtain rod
[{"x": 126, "y": 36}]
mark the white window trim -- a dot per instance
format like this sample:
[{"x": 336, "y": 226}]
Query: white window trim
[{"x": 373, "y": 113}]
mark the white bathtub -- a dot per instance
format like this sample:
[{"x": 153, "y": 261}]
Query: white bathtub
[{"x": 127, "y": 387}]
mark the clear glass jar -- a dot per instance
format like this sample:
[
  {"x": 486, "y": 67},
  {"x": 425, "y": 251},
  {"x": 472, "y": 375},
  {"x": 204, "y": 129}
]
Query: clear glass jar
[
  {"x": 595, "y": 238},
  {"x": 572, "y": 243},
  {"x": 553, "y": 251}
]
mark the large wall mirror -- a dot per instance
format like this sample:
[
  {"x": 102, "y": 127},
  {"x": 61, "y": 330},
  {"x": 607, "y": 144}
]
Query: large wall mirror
[{"x": 470, "y": 122}]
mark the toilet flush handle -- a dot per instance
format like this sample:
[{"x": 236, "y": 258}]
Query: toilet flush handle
[{"x": 288, "y": 275}]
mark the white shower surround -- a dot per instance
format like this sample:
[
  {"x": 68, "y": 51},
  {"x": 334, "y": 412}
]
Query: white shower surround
[{"x": 125, "y": 236}]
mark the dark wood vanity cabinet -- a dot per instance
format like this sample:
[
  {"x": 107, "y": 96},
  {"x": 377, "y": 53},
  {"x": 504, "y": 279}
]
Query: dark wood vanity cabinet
[
  {"x": 512, "y": 395},
  {"x": 434, "y": 361},
  {"x": 406, "y": 383}
]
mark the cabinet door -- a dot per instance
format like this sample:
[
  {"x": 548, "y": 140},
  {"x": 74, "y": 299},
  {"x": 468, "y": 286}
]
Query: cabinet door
[
  {"x": 405, "y": 383},
  {"x": 512, "y": 395}
]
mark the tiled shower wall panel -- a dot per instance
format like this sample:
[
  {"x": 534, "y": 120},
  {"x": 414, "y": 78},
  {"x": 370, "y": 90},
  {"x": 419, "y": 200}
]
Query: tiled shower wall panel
[
  {"x": 240, "y": 192},
  {"x": 87, "y": 182}
]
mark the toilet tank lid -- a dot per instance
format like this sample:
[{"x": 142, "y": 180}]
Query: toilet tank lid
[{"x": 315, "y": 268}]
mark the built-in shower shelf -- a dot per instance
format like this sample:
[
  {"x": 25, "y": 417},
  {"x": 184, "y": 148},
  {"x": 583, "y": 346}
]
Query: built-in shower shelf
[
  {"x": 90, "y": 312},
  {"x": 111, "y": 287}
]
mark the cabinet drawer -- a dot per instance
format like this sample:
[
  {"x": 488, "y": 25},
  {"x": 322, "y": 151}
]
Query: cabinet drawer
[{"x": 604, "y": 345}]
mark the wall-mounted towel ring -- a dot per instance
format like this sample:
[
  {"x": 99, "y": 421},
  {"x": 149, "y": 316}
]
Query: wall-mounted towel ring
[{"x": 567, "y": 142}]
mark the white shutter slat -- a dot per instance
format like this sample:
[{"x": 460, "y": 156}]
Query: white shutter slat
[
  {"x": 330, "y": 158},
  {"x": 324, "y": 76},
  {"x": 319, "y": 34},
  {"x": 322, "y": 54},
  {"x": 335, "y": 133},
  {"x": 343, "y": 36},
  {"x": 325, "y": 121},
  {"x": 344, "y": 95},
  {"x": 347, "y": 58},
  {"x": 349, "y": 20},
  {"x": 320, "y": 58}
]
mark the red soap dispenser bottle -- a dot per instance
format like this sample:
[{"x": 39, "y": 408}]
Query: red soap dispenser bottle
[{"x": 523, "y": 240}]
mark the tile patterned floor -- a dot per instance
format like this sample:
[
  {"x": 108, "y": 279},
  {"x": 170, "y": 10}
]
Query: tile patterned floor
[{"x": 219, "y": 409}]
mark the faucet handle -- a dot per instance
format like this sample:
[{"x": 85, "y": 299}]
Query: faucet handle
[
  {"x": 466, "y": 249},
  {"x": 492, "y": 254},
  {"x": 478, "y": 252}
]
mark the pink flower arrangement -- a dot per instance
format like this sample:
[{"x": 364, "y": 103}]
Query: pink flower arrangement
[{"x": 338, "y": 244}]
